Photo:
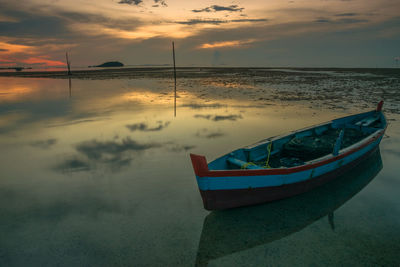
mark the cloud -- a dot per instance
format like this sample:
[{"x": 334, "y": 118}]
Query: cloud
[
  {"x": 28, "y": 25},
  {"x": 44, "y": 144},
  {"x": 3, "y": 50},
  {"x": 232, "y": 117},
  {"x": 217, "y": 21},
  {"x": 217, "y": 8},
  {"x": 161, "y": 2},
  {"x": 351, "y": 21},
  {"x": 340, "y": 21},
  {"x": 248, "y": 20},
  {"x": 138, "y": 2},
  {"x": 144, "y": 127},
  {"x": 322, "y": 20},
  {"x": 202, "y": 21},
  {"x": 130, "y": 2},
  {"x": 346, "y": 15},
  {"x": 235, "y": 43}
]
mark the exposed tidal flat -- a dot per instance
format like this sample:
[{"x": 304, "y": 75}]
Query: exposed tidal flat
[{"x": 95, "y": 169}]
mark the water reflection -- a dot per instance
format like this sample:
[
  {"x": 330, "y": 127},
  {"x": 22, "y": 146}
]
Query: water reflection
[
  {"x": 104, "y": 177},
  {"x": 144, "y": 127},
  {"x": 227, "y": 232},
  {"x": 70, "y": 87}
]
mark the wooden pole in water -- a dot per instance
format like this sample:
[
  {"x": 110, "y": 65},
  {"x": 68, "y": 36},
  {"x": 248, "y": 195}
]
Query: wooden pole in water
[
  {"x": 173, "y": 55},
  {"x": 68, "y": 63}
]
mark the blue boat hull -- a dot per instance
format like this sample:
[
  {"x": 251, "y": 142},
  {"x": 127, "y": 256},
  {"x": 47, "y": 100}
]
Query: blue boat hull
[
  {"x": 222, "y": 187},
  {"x": 218, "y": 199}
]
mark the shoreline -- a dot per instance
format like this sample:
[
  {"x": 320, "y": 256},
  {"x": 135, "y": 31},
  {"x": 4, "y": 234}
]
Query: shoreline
[{"x": 190, "y": 72}]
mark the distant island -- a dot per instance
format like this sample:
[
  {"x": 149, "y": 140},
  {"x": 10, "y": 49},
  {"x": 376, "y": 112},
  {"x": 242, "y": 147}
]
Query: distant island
[{"x": 109, "y": 64}]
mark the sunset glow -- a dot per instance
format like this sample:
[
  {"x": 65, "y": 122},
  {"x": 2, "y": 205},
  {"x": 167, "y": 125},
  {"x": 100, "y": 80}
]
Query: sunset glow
[
  {"x": 37, "y": 32},
  {"x": 227, "y": 44}
]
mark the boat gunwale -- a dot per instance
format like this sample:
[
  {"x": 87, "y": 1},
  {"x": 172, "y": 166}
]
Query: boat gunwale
[{"x": 201, "y": 167}]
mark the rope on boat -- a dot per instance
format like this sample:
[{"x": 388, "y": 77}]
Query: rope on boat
[
  {"x": 247, "y": 164},
  {"x": 269, "y": 154}
]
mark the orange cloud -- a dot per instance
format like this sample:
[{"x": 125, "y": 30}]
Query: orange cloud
[
  {"x": 42, "y": 61},
  {"x": 235, "y": 43},
  {"x": 8, "y": 55},
  {"x": 13, "y": 48}
]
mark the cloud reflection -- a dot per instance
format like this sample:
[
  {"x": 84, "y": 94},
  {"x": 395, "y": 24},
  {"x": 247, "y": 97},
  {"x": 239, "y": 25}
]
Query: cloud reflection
[
  {"x": 144, "y": 127},
  {"x": 232, "y": 117},
  {"x": 111, "y": 150},
  {"x": 113, "y": 154},
  {"x": 204, "y": 133},
  {"x": 44, "y": 144},
  {"x": 73, "y": 165}
]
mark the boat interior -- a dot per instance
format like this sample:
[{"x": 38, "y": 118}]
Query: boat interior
[{"x": 300, "y": 147}]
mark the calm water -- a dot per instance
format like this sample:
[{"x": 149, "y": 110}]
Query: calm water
[{"x": 97, "y": 173}]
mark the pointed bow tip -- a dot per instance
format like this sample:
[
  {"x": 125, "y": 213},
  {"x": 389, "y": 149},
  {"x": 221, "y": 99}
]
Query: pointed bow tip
[{"x": 199, "y": 163}]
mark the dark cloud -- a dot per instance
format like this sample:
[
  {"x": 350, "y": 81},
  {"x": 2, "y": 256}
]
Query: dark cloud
[
  {"x": 351, "y": 21},
  {"x": 44, "y": 144},
  {"x": 28, "y": 25},
  {"x": 202, "y": 21},
  {"x": 232, "y": 117},
  {"x": 217, "y": 8},
  {"x": 125, "y": 24},
  {"x": 248, "y": 20},
  {"x": 37, "y": 28},
  {"x": 130, "y": 2},
  {"x": 216, "y": 21},
  {"x": 322, "y": 20},
  {"x": 3, "y": 50},
  {"x": 161, "y": 2},
  {"x": 144, "y": 127},
  {"x": 346, "y": 15},
  {"x": 340, "y": 21}
]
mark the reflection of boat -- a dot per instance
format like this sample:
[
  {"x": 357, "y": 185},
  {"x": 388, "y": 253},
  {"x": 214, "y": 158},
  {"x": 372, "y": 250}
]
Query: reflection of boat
[
  {"x": 284, "y": 166},
  {"x": 228, "y": 231}
]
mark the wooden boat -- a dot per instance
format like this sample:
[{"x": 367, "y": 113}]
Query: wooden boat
[
  {"x": 229, "y": 231},
  {"x": 283, "y": 166}
]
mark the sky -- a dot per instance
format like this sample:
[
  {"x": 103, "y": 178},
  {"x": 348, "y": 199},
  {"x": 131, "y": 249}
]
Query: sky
[{"x": 248, "y": 33}]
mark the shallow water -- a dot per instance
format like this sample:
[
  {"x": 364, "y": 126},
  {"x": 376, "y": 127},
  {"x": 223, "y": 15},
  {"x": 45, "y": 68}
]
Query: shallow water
[{"x": 97, "y": 172}]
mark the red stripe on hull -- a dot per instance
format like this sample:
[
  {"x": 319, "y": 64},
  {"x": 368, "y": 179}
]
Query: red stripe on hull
[{"x": 225, "y": 199}]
